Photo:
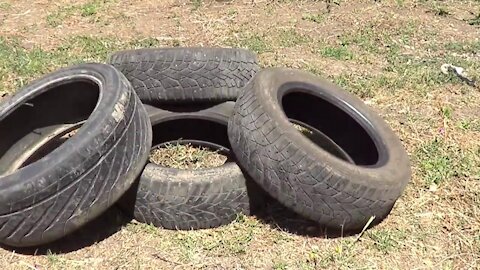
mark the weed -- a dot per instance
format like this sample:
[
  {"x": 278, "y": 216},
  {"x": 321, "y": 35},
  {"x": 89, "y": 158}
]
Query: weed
[
  {"x": 92, "y": 47},
  {"x": 316, "y": 18},
  {"x": 52, "y": 258},
  {"x": 254, "y": 42},
  {"x": 447, "y": 112},
  {"x": 291, "y": 38},
  {"x": 340, "y": 257},
  {"x": 142, "y": 228},
  {"x": 470, "y": 124},
  {"x": 280, "y": 266},
  {"x": 57, "y": 18},
  {"x": 5, "y": 6},
  {"x": 360, "y": 85},
  {"x": 440, "y": 162},
  {"x": 145, "y": 43},
  {"x": 386, "y": 241},
  {"x": 232, "y": 12},
  {"x": 435, "y": 162},
  {"x": 85, "y": 10},
  {"x": 339, "y": 53},
  {"x": 475, "y": 20},
  {"x": 89, "y": 9},
  {"x": 196, "y": 4},
  {"x": 463, "y": 47},
  {"x": 441, "y": 11}
]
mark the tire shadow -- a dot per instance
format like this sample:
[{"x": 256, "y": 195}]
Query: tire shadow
[
  {"x": 281, "y": 218},
  {"x": 273, "y": 213},
  {"x": 107, "y": 224}
]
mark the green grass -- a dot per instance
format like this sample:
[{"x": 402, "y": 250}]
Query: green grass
[
  {"x": 24, "y": 65},
  {"x": 224, "y": 242},
  {"x": 440, "y": 11},
  {"x": 5, "y": 6},
  {"x": 339, "y": 52},
  {"x": 475, "y": 21},
  {"x": 463, "y": 47},
  {"x": 436, "y": 164},
  {"x": 196, "y": 4},
  {"x": 470, "y": 124},
  {"x": 340, "y": 257},
  {"x": 254, "y": 42},
  {"x": 363, "y": 86},
  {"x": 291, "y": 38},
  {"x": 387, "y": 240},
  {"x": 280, "y": 266},
  {"x": 372, "y": 39},
  {"x": 440, "y": 161},
  {"x": 88, "y": 9},
  {"x": 316, "y": 18},
  {"x": 142, "y": 228},
  {"x": 56, "y": 18}
]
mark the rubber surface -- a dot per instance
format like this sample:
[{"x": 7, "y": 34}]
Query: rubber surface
[
  {"x": 76, "y": 182},
  {"x": 186, "y": 75},
  {"x": 305, "y": 177},
  {"x": 34, "y": 145},
  {"x": 192, "y": 199}
]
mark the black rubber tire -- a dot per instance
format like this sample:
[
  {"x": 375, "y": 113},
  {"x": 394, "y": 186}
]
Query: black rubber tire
[
  {"x": 305, "y": 177},
  {"x": 186, "y": 75},
  {"x": 35, "y": 145},
  {"x": 178, "y": 199},
  {"x": 76, "y": 182}
]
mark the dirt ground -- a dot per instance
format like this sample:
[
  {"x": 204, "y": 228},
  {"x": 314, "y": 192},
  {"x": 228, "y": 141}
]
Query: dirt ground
[{"x": 389, "y": 53}]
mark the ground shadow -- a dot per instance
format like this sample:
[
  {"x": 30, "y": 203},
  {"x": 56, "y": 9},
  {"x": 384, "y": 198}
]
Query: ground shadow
[
  {"x": 272, "y": 212},
  {"x": 96, "y": 231}
]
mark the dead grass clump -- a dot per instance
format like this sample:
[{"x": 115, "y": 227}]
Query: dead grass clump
[{"x": 187, "y": 157}]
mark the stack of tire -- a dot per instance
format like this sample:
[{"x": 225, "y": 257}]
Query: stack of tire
[{"x": 77, "y": 141}]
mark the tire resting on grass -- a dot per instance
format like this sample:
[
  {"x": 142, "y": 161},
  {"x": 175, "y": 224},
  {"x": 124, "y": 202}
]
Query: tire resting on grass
[
  {"x": 300, "y": 174},
  {"x": 186, "y": 75},
  {"x": 84, "y": 176},
  {"x": 192, "y": 199}
]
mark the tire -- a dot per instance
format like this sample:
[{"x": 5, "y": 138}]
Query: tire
[
  {"x": 337, "y": 191},
  {"x": 186, "y": 75},
  {"x": 179, "y": 199},
  {"x": 35, "y": 145},
  {"x": 58, "y": 193}
]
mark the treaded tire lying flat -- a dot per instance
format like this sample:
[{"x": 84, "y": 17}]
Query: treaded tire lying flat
[
  {"x": 80, "y": 179},
  {"x": 328, "y": 189},
  {"x": 186, "y": 75},
  {"x": 191, "y": 199}
]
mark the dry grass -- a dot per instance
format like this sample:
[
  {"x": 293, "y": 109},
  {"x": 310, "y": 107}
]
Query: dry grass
[
  {"x": 186, "y": 157},
  {"x": 389, "y": 53}
]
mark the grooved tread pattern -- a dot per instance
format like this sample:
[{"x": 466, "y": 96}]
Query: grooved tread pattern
[
  {"x": 193, "y": 199},
  {"x": 187, "y": 74},
  {"x": 67, "y": 196},
  {"x": 287, "y": 172},
  {"x": 198, "y": 203}
]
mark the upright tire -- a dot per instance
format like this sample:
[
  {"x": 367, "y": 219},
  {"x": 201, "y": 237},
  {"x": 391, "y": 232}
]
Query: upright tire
[
  {"x": 72, "y": 184},
  {"x": 362, "y": 176},
  {"x": 187, "y": 199},
  {"x": 186, "y": 75}
]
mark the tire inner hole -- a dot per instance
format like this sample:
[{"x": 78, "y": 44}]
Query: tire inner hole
[
  {"x": 190, "y": 143},
  {"x": 43, "y": 123},
  {"x": 331, "y": 128}
]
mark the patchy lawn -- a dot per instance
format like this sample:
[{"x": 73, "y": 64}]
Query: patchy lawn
[{"x": 389, "y": 53}]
